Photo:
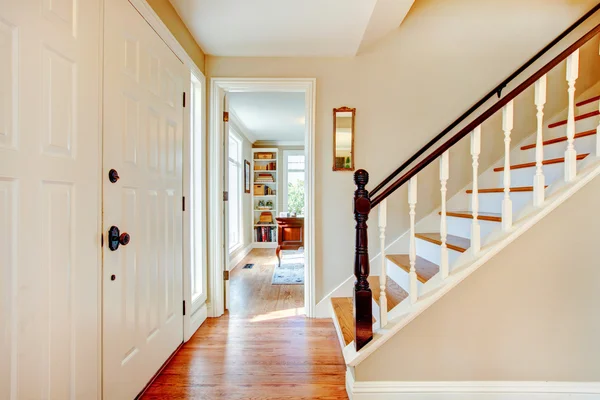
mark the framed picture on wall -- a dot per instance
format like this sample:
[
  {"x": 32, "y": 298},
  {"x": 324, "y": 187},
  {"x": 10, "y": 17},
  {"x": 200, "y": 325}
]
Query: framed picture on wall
[{"x": 246, "y": 176}]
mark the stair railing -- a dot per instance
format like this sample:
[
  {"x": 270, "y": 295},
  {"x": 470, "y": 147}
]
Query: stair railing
[{"x": 365, "y": 201}]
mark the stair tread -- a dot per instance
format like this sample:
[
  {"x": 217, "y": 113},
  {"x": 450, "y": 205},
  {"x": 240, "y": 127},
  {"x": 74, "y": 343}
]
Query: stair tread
[
  {"x": 588, "y": 101},
  {"x": 545, "y": 162},
  {"x": 560, "y": 139},
  {"x": 577, "y": 118},
  {"x": 501, "y": 190},
  {"x": 483, "y": 216},
  {"x": 342, "y": 307},
  {"x": 456, "y": 243},
  {"x": 425, "y": 269},
  {"x": 394, "y": 293}
]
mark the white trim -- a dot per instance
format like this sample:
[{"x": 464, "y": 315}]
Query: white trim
[
  {"x": 239, "y": 185},
  {"x": 467, "y": 390},
  {"x": 240, "y": 127},
  {"x": 239, "y": 256},
  {"x": 165, "y": 34},
  {"x": 280, "y": 142},
  {"x": 219, "y": 86}
]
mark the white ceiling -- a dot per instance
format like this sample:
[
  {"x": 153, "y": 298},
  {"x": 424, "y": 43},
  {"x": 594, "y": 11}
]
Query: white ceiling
[
  {"x": 286, "y": 28},
  {"x": 269, "y": 116}
]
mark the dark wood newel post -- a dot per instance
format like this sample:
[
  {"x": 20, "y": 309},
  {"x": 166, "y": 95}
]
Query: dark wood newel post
[{"x": 363, "y": 306}]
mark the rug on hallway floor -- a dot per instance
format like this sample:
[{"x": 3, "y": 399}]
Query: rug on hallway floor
[{"x": 291, "y": 270}]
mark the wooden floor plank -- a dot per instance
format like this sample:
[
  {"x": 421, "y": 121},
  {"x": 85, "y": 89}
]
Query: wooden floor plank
[{"x": 259, "y": 350}]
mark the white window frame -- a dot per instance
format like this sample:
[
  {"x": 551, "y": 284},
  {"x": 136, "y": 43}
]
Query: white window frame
[
  {"x": 239, "y": 164},
  {"x": 284, "y": 172},
  {"x": 197, "y": 198}
]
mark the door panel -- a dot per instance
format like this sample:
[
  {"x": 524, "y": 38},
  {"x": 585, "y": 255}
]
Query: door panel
[
  {"x": 49, "y": 199},
  {"x": 143, "y": 130}
]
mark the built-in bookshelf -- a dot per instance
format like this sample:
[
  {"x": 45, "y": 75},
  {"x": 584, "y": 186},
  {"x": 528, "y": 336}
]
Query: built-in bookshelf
[{"x": 264, "y": 197}]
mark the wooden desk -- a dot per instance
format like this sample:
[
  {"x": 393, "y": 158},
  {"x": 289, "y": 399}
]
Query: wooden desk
[{"x": 290, "y": 234}]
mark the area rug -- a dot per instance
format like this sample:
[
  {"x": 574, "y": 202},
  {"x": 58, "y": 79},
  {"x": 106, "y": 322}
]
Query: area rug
[{"x": 291, "y": 270}]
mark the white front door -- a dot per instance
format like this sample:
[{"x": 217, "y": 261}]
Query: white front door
[
  {"x": 143, "y": 137},
  {"x": 49, "y": 199}
]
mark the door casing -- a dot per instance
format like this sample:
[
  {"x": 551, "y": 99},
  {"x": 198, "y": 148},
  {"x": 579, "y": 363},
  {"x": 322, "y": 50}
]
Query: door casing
[{"x": 217, "y": 254}]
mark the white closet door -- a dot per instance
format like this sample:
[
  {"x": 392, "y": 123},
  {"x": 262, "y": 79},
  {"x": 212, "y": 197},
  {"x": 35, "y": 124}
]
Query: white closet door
[
  {"x": 143, "y": 141},
  {"x": 49, "y": 199}
]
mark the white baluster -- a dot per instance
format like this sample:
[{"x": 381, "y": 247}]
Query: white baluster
[
  {"x": 475, "y": 228},
  {"x": 507, "y": 126},
  {"x": 444, "y": 175},
  {"x": 412, "y": 202},
  {"x": 383, "y": 274},
  {"x": 539, "y": 183},
  {"x": 570, "y": 153}
]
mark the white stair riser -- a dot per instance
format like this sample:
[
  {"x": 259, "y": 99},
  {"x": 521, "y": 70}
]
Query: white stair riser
[
  {"x": 524, "y": 176},
  {"x": 400, "y": 276},
  {"x": 431, "y": 252},
  {"x": 557, "y": 150},
  {"x": 462, "y": 227},
  {"x": 492, "y": 202},
  {"x": 580, "y": 126}
]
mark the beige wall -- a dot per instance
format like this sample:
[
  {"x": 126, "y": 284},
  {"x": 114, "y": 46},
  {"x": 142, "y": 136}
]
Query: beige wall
[
  {"x": 445, "y": 56},
  {"x": 171, "y": 19},
  {"x": 530, "y": 313}
]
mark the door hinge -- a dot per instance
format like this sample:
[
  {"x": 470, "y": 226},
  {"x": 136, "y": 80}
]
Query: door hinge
[
  {"x": 101, "y": 240},
  {"x": 183, "y": 203},
  {"x": 184, "y": 307},
  {"x": 184, "y": 99},
  {"x": 225, "y": 275},
  {"x": 225, "y": 116},
  {"x": 225, "y": 196}
]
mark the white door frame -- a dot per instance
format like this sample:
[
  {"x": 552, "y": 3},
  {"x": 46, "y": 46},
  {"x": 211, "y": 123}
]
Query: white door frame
[
  {"x": 191, "y": 321},
  {"x": 220, "y": 86}
]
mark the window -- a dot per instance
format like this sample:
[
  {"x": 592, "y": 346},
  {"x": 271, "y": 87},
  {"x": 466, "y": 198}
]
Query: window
[
  {"x": 235, "y": 191},
  {"x": 293, "y": 194},
  {"x": 197, "y": 204}
]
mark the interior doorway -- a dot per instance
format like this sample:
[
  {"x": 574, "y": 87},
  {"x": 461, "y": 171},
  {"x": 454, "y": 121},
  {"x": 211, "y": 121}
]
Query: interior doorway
[{"x": 261, "y": 158}]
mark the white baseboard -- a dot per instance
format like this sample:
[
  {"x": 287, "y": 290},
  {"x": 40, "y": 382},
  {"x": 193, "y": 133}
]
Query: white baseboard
[
  {"x": 500, "y": 390},
  {"x": 323, "y": 309},
  {"x": 240, "y": 256}
]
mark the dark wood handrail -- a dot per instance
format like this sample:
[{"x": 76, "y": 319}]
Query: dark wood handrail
[
  {"x": 481, "y": 119},
  {"x": 496, "y": 91}
]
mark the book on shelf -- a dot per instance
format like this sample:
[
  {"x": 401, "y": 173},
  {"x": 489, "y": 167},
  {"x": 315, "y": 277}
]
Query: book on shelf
[{"x": 265, "y": 234}]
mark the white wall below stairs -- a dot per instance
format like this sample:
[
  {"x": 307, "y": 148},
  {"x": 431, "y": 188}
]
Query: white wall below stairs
[{"x": 529, "y": 314}]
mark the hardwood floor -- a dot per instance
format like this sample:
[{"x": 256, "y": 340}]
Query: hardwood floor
[
  {"x": 251, "y": 292},
  {"x": 260, "y": 350}
]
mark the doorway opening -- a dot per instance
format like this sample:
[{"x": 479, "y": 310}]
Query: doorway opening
[{"x": 262, "y": 149}]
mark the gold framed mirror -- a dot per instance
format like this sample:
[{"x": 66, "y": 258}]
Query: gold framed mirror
[{"x": 343, "y": 138}]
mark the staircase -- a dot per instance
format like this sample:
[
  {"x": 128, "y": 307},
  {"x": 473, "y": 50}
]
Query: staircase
[{"x": 443, "y": 248}]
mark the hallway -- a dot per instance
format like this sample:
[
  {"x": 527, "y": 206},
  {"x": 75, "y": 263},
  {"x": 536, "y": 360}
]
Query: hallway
[{"x": 262, "y": 350}]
